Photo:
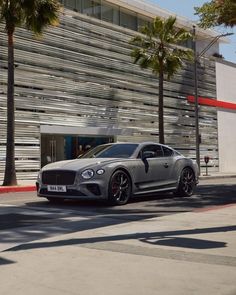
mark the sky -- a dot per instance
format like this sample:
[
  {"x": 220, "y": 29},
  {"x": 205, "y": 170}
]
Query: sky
[{"x": 186, "y": 8}]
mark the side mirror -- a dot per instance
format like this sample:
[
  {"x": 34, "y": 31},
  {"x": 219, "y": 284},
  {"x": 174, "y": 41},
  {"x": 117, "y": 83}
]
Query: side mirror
[{"x": 148, "y": 154}]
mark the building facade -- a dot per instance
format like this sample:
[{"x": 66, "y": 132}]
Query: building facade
[{"x": 77, "y": 86}]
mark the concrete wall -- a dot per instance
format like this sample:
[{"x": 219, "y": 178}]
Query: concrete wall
[{"x": 226, "y": 91}]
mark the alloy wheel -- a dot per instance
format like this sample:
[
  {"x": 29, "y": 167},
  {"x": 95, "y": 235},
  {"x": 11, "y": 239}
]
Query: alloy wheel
[
  {"x": 187, "y": 181},
  {"x": 119, "y": 188}
]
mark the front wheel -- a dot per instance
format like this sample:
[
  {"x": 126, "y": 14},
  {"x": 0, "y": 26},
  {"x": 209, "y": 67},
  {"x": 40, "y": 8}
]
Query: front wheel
[
  {"x": 187, "y": 183},
  {"x": 120, "y": 188}
]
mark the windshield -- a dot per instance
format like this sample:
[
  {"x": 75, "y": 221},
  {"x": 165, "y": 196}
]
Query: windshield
[{"x": 111, "y": 151}]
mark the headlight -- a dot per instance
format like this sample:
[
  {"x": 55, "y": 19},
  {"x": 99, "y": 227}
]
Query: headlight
[
  {"x": 87, "y": 174},
  {"x": 100, "y": 171}
]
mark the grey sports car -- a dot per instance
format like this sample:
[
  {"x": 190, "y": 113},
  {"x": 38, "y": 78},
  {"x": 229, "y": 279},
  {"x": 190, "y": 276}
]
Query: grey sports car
[{"x": 116, "y": 172}]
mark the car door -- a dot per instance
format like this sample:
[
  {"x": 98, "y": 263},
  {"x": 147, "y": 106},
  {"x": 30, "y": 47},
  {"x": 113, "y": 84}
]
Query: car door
[
  {"x": 169, "y": 177},
  {"x": 151, "y": 170}
]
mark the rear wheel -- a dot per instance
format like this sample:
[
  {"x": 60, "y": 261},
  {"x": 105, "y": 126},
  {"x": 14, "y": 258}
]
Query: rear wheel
[
  {"x": 187, "y": 183},
  {"x": 120, "y": 188}
]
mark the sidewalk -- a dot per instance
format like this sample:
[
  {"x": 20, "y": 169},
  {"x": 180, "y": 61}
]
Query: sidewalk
[
  {"x": 216, "y": 175},
  {"x": 29, "y": 185}
]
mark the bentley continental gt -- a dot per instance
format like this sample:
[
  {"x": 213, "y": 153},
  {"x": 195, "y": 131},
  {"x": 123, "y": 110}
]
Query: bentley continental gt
[{"x": 117, "y": 171}]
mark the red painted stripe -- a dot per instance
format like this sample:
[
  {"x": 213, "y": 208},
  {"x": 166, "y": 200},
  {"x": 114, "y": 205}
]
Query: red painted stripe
[
  {"x": 14, "y": 189},
  {"x": 213, "y": 102}
]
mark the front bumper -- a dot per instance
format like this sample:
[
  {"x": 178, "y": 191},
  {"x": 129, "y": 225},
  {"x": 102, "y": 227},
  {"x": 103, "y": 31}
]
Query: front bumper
[{"x": 83, "y": 191}]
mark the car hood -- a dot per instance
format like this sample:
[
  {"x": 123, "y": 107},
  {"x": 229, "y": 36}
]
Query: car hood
[{"x": 78, "y": 164}]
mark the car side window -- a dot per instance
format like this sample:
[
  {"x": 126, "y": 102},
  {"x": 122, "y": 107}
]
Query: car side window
[
  {"x": 167, "y": 152},
  {"x": 154, "y": 150}
]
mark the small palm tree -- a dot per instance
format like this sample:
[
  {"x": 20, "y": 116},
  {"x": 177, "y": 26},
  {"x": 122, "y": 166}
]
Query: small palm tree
[
  {"x": 154, "y": 49},
  {"x": 35, "y": 15}
]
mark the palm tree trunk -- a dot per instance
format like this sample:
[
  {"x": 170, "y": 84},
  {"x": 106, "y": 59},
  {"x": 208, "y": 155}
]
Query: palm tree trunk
[
  {"x": 161, "y": 107},
  {"x": 10, "y": 171}
]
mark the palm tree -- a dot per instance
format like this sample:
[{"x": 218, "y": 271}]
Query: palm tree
[
  {"x": 154, "y": 49},
  {"x": 35, "y": 15}
]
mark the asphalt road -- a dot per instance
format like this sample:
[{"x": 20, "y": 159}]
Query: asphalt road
[
  {"x": 209, "y": 193},
  {"x": 145, "y": 247}
]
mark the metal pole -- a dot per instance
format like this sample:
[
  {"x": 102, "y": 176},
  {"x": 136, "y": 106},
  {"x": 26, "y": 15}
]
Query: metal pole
[{"x": 197, "y": 135}]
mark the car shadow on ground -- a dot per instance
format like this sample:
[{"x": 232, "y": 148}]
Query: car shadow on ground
[
  {"x": 205, "y": 195},
  {"x": 94, "y": 215}
]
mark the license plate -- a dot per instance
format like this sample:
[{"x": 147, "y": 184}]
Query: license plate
[{"x": 56, "y": 188}]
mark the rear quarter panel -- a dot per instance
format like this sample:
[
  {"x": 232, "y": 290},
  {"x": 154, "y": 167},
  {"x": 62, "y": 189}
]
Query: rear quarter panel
[{"x": 181, "y": 163}]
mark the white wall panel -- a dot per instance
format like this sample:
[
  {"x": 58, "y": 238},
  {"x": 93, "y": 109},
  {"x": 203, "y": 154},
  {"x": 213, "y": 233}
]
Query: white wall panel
[{"x": 226, "y": 91}]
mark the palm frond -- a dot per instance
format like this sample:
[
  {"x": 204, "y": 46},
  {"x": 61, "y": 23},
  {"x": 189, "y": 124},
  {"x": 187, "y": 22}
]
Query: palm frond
[
  {"x": 146, "y": 30},
  {"x": 181, "y": 35},
  {"x": 157, "y": 28},
  {"x": 169, "y": 28},
  {"x": 153, "y": 48},
  {"x": 34, "y": 14},
  {"x": 40, "y": 14},
  {"x": 145, "y": 61},
  {"x": 136, "y": 54}
]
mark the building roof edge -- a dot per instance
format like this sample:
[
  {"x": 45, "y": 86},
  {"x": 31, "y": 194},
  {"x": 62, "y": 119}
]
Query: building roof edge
[{"x": 150, "y": 9}]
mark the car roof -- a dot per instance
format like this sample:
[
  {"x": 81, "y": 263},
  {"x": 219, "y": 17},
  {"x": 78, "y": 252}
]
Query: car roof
[{"x": 139, "y": 143}]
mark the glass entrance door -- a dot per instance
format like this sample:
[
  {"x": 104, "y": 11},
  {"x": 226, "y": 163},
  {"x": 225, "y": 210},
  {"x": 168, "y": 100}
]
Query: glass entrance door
[{"x": 52, "y": 148}]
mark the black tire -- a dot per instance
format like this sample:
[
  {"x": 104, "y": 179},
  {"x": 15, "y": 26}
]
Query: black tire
[
  {"x": 120, "y": 188},
  {"x": 187, "y": 183}
]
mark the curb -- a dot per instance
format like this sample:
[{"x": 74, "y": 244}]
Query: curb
[
  {"x": 204, "y": 177},
  {"x": 14, "y": 189}
]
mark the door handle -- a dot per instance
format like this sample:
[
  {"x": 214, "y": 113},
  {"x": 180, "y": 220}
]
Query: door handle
[{"x": 166, "y": 165}]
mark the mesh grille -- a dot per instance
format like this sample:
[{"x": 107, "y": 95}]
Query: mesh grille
[{"x": 58, "y": 177}]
